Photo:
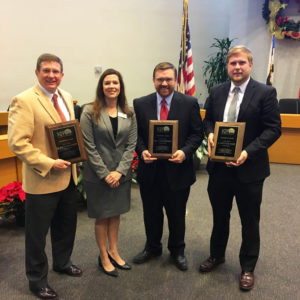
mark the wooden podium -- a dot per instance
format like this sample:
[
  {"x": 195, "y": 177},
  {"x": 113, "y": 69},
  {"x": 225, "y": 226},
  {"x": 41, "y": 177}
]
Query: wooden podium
[
  {"x": 286, "y": 150},
  {"x": 10, "y": 165}
]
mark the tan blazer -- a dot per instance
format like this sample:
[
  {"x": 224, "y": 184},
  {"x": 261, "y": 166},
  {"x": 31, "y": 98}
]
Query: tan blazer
[{"x": 29, "y": 113}]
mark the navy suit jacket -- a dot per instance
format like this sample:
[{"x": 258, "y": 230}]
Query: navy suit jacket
[
  {"x": 260, "y": 110},
  {"x": 186, "y": 110}
]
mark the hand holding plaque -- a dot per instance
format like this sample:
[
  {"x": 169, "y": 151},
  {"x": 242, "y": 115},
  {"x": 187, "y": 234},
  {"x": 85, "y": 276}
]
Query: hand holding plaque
[
  {"x": 228, "y": 141},
  {"x": 66, "y": 141},
  {"x": 163, "y": 138}
]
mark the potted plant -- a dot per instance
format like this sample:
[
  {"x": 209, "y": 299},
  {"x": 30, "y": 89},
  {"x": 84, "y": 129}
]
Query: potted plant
[
  {"x": 215, "y": 70},
  {"x": 12, "y": 202}
]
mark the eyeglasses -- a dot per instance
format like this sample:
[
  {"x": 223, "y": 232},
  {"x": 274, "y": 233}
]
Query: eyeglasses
[{"x": 161, "y": 80}]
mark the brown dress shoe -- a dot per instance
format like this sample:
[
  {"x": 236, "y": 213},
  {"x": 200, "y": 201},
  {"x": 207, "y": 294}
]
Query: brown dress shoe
[
  {"x": 71, "y": 271},
  {"x": 246, "y": 281},
  {"x": 210, "y": 264}
]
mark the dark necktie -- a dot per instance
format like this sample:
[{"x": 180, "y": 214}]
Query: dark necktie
[
  {"x": 163, "y": 110},
  {"x": 231, "y": 117},
  {"x": 59, "y": 111}
]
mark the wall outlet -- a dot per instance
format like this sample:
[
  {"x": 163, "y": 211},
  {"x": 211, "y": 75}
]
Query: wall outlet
[{"x": 98, "y": 70}]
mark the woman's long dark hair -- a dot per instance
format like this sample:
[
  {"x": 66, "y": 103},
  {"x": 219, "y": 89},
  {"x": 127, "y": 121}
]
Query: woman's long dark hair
[{"x": 99, "y": 102}]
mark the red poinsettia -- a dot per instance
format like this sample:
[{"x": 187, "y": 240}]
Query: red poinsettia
[
  {"x": 134, "y": 163},
  {"x": 134, "y": 167},
  {"x": 12, "y": 199},
  {"x": 12, "y": 191}
]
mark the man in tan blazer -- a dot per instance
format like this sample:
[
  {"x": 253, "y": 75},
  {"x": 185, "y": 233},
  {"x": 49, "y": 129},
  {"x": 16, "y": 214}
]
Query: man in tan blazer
[{"x": 49, "y": 183}]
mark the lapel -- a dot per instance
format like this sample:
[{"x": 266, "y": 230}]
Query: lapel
[
  {"x": 107, "y": 123},
  {"x": 223, "y": 99},
  {"x": 174, "y": 106},
  {"x": 152, "y": 108},
  {"x": 121, "y": 122},
  {"x": 46, "y": 103},
  {"x": 247, "y": 98},
  {"x": 48, "y": 106}
]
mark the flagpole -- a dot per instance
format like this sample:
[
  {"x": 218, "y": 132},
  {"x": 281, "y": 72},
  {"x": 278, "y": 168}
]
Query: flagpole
[
  {"x": 183, "y": 45},
  {"x": 270, "y": 74},
  {"x": 185, "y": 5}
]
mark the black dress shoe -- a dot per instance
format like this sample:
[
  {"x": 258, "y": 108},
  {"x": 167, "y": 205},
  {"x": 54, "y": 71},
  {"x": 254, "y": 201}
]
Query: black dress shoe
[
  {"x": 180, "y": 262},
  {"x": 71, "y": 271},
  {"x": 113, "y": 273},
  {"x": 44, "y": 293},
  {"x": 145, "y": 256},
  {"x": 210, "y": 264},
  {"x": 126, "y": 266},
  {"x": 246, "y": 281}
]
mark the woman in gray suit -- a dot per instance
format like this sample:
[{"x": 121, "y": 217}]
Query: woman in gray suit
[{"x": 109, "y": 132}]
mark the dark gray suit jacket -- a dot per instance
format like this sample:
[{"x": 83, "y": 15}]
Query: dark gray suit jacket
[
  {"x": 260, "y": 110},
  {"x": 105, "y": 153}
]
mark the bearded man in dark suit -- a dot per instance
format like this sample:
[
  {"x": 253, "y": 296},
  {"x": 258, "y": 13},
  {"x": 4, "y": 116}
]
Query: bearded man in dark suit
[
  {"x": 166, "y": 183},
  {"x": 256, "y": 105}
]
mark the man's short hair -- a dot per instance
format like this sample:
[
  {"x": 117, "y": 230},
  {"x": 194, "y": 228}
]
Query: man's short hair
[
  {"x": 165, "y": 66},
  {"x": 48, "y": 57},
  {"x": 240, "y": 49}
]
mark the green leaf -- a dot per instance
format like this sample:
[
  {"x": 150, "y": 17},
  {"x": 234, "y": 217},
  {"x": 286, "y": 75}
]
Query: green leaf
[{"x": 214, "y": 70}]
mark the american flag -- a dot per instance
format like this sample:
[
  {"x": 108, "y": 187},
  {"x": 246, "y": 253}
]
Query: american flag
[
  {"x": 186, "y": 82},
  {"x": 271, "y": 62}
]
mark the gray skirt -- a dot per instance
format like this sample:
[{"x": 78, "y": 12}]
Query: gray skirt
[{"x": 104, "y": 202}]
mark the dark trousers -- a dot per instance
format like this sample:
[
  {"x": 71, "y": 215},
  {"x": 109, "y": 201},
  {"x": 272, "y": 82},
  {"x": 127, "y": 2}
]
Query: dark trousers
[
  {"x": 56, "y": 211},
  {"x": 223, "y": 185},
  {"x": 154, "y": 199}
]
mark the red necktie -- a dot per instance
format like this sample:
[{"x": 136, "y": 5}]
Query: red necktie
[
  {"x": 59, "y": 111},
  {"x": 163, "y": 110}
]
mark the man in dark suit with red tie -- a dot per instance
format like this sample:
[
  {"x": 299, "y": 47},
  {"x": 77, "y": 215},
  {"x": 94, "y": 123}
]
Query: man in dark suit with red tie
[
  {"x": 166, "y": 182},
  {"x": 241, "y": 100}
]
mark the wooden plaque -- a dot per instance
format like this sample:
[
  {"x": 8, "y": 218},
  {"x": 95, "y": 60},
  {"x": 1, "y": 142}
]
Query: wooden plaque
[
  {"x": 163, "y": 138},
  {"x": 228, "y": 140},
  {"x": 66, "y": 141}
]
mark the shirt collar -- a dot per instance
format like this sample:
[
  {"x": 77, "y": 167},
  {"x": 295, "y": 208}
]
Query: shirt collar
[
  {"x": 242, "y": 87},
  {"x": 47, "y": 93},
  {"x": 168, "y": 99}
]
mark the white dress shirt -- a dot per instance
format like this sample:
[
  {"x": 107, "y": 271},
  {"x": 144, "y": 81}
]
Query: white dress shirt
[
  {"x": 60, "y": 101},
  {"x": 230, "y": 97}
]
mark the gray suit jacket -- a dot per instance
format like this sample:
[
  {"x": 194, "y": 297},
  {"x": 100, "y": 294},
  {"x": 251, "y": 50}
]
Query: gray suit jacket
[{"x": 105, "y": 153}]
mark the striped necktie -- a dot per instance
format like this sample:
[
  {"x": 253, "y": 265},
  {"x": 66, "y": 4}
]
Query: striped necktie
[{"x": 231, "y": 117}]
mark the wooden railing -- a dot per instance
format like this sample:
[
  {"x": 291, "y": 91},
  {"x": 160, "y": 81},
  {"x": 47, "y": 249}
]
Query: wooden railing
[{"x": 3, "y": 122}]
